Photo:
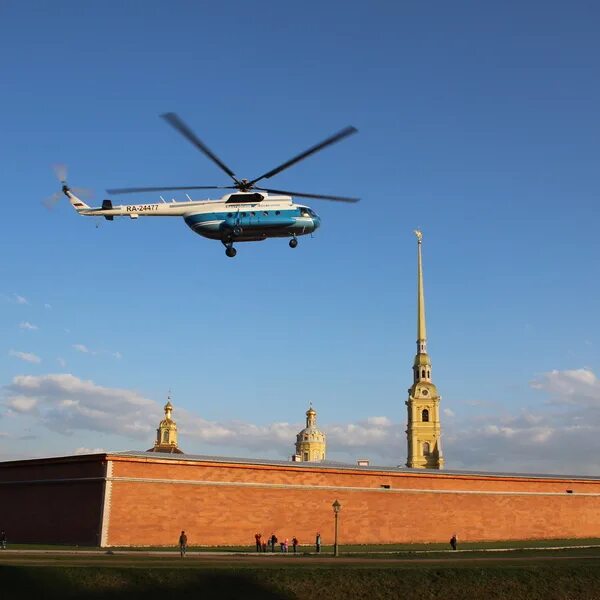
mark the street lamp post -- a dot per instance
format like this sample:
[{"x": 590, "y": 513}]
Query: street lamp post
[{"x": 336, "y": 509}]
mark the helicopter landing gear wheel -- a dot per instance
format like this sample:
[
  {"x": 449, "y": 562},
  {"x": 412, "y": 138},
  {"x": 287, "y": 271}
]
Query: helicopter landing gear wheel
[
  {"x": 293, "y": 242},
  {"x": 230, "y": 251}
]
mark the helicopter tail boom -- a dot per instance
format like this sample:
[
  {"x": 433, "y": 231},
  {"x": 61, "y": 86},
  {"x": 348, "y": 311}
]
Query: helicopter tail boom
[{"x": 78, "y": 204}]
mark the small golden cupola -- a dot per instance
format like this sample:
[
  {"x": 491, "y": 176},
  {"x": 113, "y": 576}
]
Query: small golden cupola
[
  {"x": 310, "y": 442},
  {"x": 166, "y": 434}
]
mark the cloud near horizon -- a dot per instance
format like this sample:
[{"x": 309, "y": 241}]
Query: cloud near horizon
[
  {"x": 551, "y": 436},
  {"x": 561, "y": 434}
]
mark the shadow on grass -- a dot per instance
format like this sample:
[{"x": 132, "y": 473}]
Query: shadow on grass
[{"x": 133, "y": 584}]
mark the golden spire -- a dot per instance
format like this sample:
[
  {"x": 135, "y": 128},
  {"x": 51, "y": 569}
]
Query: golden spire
[
  {"x": 423, "y": 425},
  {"x": 421, "y": 331},
  {"x": 168, "y": 408}
]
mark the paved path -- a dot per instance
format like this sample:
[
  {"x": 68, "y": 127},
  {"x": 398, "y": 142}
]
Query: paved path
[{"x": 261, "y": 555}]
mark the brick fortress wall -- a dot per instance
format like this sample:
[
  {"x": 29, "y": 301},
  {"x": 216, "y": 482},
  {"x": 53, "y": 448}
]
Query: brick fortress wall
[
  {"x": 220, "y": 503},
  {"x": 120, "y": 500}
]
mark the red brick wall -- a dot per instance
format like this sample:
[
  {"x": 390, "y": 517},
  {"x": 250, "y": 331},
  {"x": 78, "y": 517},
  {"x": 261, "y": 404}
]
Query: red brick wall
[
  {"x": 153, "y": 499},
  {"x": 413, "y": 509}
]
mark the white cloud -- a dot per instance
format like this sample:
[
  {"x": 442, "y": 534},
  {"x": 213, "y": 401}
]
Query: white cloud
[
  {"x": 62, "y": 362},
  {"x": 64, "y": 403},
  {"x": 87, "y": 350},
  {"x": 89, "y": 451},
  {"x": 20, "y": 299},
  {"x": 26, "y": 356},
  {"x": 578, "y": 386},
  {"x": 560, "y": 434},
  {"x": 383, "y": 421},
  {"x": 22, "y": 403},
  {"x": 28, "y": 326},
  {"x": 47, "y": 306},
  {"x": 82, "y": 348},
  {"x": 448, "y": 412}
]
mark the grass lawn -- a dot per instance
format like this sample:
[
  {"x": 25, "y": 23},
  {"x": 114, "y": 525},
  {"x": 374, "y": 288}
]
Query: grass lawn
[{"x": 520, "y": 574}]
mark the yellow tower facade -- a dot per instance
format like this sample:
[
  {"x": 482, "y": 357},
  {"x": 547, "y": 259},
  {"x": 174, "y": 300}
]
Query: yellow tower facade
[
  {"x": 166, "y": 434},
  {"x": 310, "y": 442},
  {"x": 423, "y": 429}
]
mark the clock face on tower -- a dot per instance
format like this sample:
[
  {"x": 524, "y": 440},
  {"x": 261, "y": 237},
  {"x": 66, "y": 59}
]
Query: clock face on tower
[{"x": 425, "y": 392}]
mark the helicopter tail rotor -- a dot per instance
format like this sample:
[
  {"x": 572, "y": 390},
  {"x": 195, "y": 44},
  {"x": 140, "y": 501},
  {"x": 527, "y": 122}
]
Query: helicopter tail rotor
[{"x": 60, "y": 170}]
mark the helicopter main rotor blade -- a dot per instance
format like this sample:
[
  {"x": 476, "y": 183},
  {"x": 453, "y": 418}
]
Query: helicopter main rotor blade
[
  {"x": 330, "y": 140},
  {"x": 133, "y": 190},
  {"x": 176, "y": 122},
  {"x": 315, "y": 196}
]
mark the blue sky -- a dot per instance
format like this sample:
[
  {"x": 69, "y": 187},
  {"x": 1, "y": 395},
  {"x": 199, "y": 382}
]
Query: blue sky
[{"x": 476, "y": 122}]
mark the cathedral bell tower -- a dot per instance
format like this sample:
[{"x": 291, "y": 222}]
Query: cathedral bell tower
[{"x": 423, "y": 430}]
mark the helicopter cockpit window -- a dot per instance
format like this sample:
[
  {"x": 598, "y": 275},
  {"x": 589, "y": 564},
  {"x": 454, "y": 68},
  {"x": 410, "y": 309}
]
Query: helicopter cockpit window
[
  {"x": 305, "y": 212},
  {"x": 250, "y": 198}
]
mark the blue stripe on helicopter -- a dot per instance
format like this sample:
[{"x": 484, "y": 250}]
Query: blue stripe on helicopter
[{"x": 216, "y": 220}]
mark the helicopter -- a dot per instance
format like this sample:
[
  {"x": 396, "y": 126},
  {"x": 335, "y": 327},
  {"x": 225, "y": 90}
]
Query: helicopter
[{"x": 248, "y": 214}]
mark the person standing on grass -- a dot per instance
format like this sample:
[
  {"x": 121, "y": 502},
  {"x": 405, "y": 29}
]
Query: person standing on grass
[
  {"x": 294, "y": 543},
  {"x": 3, "y": 539},
  {"x": 182, "y": 544},
  {"x": 453, "y": 541},
  {"x": 273, "y": 542},
  {"x": 318, "y": 542},
  {"x": 257, "y": 537}
]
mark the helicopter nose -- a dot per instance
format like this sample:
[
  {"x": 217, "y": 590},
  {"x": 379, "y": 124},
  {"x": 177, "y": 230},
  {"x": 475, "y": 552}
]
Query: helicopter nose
[{"x": 316, "y": 222}]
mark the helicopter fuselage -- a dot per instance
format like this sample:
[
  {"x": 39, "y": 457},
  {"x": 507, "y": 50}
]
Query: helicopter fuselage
[{"x": 239, "y": 217}]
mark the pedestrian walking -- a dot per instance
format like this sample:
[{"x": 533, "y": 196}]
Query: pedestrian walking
[
  {"x": 318, "y": 542},
  {"x": 3, "y": 539},
  {"x": 182, "y": 544},
  {"x": 257, "y": 537},
  {"x": 453, "y": 541},
  {"x": 273, "y": 542},
  {"x": 294, "y": 543}
]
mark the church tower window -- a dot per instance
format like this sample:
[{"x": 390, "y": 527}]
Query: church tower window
[
  {"x": 425, "y": 416},
  {"x": 426, "y": 449}
]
